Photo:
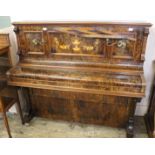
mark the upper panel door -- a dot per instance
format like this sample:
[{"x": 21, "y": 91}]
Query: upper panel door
[
  {"x": 121, "y": 45},
  {"x": 34, "y": 41}
]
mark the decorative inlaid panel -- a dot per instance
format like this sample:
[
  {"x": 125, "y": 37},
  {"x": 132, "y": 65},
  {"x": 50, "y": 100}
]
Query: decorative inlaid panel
[
  {"x": 34, "y": 41},
  {"x": 66, "y": 43}
]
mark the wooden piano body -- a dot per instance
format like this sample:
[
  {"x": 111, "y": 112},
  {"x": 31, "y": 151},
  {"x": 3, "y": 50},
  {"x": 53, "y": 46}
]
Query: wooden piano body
[{"x": 83, "y": 72}]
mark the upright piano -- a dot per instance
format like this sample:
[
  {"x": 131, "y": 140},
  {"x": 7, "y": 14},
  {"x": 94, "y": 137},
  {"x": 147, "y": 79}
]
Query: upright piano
[{"x": 87, "y": 72}]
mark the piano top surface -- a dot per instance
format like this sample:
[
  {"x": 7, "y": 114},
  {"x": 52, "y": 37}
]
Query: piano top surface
[{"x": 84, "y": 23}]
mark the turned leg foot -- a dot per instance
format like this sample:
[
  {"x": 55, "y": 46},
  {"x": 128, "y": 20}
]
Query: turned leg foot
[
  {"x": 130, "y": 128},
  {"x": 28, "y": 113}
]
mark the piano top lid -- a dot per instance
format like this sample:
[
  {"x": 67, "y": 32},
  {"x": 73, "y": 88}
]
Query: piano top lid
[{"x": 82, "y": 22}]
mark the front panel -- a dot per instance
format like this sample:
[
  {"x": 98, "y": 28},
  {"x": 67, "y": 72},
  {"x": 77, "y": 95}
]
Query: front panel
[{"x": 83, "y": 108}]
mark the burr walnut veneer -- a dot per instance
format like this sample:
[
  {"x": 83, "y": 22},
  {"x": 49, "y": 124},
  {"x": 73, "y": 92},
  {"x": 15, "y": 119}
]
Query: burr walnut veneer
[{"x": 88, "y": 72}]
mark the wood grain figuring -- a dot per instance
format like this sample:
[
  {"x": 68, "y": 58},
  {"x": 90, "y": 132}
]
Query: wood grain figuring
[{"x": 88, "y": 72}]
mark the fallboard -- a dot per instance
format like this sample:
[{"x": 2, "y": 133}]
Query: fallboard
[{"x": 93, "y": 81}]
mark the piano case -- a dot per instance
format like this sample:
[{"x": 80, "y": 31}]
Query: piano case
[{"x": 81, "y": 72}]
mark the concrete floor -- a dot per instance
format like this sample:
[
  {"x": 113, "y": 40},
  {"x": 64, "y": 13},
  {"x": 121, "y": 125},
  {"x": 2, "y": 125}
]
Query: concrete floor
[{"x": 44, "y": 128}]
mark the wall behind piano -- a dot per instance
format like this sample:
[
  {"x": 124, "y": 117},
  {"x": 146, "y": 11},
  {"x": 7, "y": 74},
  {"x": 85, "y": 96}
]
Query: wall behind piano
[{"x": 94, "y": 10}]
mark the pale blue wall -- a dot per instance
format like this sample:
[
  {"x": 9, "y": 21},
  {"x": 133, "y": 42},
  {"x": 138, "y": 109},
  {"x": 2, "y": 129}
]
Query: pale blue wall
[{"x": 5, "y": 21}]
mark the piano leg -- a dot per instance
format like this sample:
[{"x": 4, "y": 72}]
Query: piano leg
[
  {"x": 26, "y": 104},
  {"x": 130, "y": 128},
  {"x": 19, "y": 109},
  {"x": 130, "y": 124}
]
